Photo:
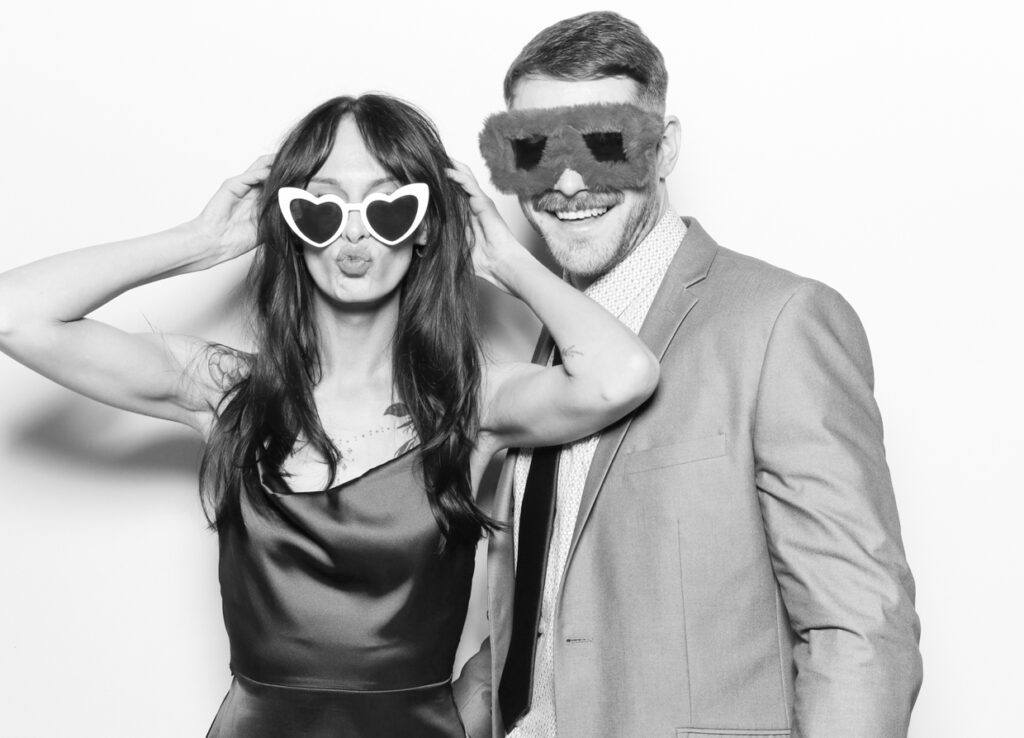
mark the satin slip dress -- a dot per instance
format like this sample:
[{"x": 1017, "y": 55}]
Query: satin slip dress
[{"x": 342, "y": 612}]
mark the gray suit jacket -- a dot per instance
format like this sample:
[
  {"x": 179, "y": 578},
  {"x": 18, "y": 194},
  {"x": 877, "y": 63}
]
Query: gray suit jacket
[{"x": 736, "y": 567}]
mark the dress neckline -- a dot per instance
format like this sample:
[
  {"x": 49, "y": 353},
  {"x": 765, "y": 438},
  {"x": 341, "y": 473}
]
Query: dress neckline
[{"x": 285, "y": 490}]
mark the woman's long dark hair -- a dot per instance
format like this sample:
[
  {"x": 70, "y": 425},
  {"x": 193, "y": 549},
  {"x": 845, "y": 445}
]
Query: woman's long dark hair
[{"x": 436, "y": 364}]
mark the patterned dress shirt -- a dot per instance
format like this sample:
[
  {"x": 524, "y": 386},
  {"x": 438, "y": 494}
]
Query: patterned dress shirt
[{"x": 627, "y": 292}]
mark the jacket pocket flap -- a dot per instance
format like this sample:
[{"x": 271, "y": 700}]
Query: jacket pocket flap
[
  {"x": 724, "y": 733},
  {"x": 682, "y": 452}
]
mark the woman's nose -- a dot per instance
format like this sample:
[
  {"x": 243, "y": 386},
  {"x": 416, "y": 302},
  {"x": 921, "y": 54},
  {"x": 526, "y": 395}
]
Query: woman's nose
[{"x": 355, "y": 229}]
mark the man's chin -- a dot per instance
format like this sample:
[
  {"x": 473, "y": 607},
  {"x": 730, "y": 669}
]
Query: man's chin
[
  {"x": 582, "y": 252},
  {"x": 582, "y": 257}
]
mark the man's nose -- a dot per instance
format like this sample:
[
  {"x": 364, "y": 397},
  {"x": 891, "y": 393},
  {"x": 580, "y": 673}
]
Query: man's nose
[{"x": 570, "y": 182}]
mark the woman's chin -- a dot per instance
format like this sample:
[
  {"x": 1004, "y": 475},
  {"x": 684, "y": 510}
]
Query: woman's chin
[{"x": 358, "y": 295}]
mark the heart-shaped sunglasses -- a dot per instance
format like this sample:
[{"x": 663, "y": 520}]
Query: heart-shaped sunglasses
[{"x": 320, "y": 220}]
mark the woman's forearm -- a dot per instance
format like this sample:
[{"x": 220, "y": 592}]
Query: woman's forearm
[
  {"x": 596, "y": 348},
  {"x": 43, "y": 306},
  {"x": 71, "y": 285}
]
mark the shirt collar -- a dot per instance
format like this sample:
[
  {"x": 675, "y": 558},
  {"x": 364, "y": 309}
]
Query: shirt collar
[{"x": 616, "y": 290}]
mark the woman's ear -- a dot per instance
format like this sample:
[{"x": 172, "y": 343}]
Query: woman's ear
[{"x": 423, "y": 231}]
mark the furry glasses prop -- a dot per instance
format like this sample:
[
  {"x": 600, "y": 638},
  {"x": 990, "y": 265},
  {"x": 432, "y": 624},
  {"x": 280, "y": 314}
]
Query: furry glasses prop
[{"x": 611, "y": 146}]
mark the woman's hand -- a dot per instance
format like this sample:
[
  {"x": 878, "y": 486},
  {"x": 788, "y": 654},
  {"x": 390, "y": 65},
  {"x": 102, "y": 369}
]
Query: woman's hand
[
  {"x": 493, "y": 242},
  {"x": 229, "y": 220},
  {"x": 44, "y": 307}
]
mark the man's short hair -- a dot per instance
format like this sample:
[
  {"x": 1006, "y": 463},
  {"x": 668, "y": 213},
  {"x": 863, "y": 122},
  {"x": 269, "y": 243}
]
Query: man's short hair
[{"x": 592, "y": 46}]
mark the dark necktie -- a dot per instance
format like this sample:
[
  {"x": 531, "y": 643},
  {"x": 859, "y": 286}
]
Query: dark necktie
[{"x": 535, "y": 524}]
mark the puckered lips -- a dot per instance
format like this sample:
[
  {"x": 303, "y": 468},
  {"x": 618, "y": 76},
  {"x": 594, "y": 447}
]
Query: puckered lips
[{"x": 354, "y": 260}]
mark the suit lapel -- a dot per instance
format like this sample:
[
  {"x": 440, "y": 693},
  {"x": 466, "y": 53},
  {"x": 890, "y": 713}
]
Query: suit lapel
[{"x": 671, "y": 305}]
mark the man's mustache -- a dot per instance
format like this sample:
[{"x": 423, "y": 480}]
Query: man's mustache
[{"x": 585, "y": 200}]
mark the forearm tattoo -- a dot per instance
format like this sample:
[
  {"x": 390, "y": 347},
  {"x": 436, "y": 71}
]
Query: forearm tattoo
[{"x": 570, "y": 352}]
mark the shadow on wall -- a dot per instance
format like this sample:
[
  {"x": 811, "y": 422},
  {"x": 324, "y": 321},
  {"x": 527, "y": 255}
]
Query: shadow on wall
[{"x": 94, "y": 437}]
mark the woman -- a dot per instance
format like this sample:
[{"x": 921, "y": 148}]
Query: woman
[{"x": 342, "y": 454}]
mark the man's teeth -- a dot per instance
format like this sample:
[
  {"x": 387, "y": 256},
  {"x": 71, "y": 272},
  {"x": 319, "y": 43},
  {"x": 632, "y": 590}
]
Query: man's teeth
[{"x": 579, "y": 214}]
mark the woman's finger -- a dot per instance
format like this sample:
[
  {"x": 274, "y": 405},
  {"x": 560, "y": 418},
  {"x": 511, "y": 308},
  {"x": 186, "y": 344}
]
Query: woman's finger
[
  {"x": 464, "y": 176},
  {"x": 241, "y": 184},
  {"x": 256, "y": 173},
  {"x": 459, "y": 176},
  {"x": 262, "y": 161},
  {"x": 479, "y": 202},
  {"x": 478, "y": 231},
  {"x": 253, "y": 175}
]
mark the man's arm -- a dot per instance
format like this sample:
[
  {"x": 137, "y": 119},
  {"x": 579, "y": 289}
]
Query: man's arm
[
  {"x": 832, "y": 526},
  {"x": 473, "y": 693}
]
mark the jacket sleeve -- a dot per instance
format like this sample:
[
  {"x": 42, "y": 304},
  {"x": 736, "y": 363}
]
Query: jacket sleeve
[
  {"x": 473, "y": 693},
  {"x": 831, "y": 524}
]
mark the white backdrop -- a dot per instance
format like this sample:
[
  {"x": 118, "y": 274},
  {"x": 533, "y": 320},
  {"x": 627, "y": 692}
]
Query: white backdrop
[{"x": 874, "y": 145}]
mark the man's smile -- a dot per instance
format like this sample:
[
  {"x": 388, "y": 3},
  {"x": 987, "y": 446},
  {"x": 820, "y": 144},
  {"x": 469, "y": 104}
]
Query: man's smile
[
  {"x": 584, "y": 207},
  {"x": 572, "y": 215}
]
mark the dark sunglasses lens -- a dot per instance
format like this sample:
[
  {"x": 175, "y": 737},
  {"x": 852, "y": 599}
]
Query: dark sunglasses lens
[
  {"x": 605, "y": 146},
  {"x": 392, "y": 220},
  {"x": 528, "y": 151},
  {"x": 318, "y": 222}
]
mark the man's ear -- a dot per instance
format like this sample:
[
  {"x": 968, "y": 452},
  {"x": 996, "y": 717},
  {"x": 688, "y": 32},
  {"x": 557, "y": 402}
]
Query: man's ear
[{"x": 668, "y": 148}]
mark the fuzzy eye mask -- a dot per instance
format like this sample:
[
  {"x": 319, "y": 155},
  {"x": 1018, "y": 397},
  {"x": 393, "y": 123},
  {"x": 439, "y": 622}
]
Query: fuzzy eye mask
[{"x": 611, "y": 146}]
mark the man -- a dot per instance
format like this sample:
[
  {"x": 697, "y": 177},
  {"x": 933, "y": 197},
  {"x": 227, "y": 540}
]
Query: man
[{"x": 727, "y": 560}]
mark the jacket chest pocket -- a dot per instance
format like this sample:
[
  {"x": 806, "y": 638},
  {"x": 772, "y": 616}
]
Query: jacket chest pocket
[
  {"x": 675, "y": 454},
  {"x": 723, "y": 733}
]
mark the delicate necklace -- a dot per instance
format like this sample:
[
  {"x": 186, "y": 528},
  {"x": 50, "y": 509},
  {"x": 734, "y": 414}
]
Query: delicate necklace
[
  {"x": 355, "y": 436},
  {"x": 353, "y": 444}
]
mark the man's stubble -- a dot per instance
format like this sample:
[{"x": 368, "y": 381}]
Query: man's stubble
[{"x": 590, "y": 258}]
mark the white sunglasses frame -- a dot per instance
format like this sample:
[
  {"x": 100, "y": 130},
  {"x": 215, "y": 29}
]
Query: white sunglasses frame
[{"x": 419, "y": 190}]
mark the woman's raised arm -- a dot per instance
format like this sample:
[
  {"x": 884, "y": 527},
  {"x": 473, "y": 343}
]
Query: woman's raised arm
[
  {"x": 606, "y": 370},
  {"x": 43, "y": 307}
]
